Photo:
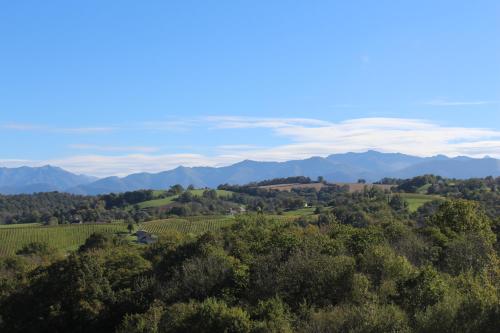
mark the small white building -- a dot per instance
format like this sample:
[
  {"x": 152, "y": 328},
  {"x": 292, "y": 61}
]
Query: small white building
[{"x": 145, "y": 237}]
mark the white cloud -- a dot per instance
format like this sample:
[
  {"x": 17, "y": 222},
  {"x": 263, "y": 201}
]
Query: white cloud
[
  {"x": 259, "y": 122},
  {"x": 306, "y": 137},
  {"x": 104, "y": 148},
  {"x": 102, "y": 166}
]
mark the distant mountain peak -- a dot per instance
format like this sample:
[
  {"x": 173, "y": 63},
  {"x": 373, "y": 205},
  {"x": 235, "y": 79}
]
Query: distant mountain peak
[{"x": 371, "y": 165}]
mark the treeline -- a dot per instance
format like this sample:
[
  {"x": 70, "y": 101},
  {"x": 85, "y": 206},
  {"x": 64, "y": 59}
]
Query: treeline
[
  {"x": 62, "y": 208},
  {"x": 286, "y": 180},
  {"x": 188, "y": 204},
  {"x": 483, "y": 190},
  {"x": 46, "y": 207},
  {"x": 325, "y": 273}
]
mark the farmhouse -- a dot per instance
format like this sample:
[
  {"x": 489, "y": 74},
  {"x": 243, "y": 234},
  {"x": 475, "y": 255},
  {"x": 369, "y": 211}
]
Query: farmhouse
[{"x": 145, "y": 237}]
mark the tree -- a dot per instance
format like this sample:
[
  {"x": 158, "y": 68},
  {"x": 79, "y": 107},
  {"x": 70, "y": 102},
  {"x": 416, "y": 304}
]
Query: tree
[
  {"x": 176, "y": 189},
  {"x": 462, "y": 217},
  {"x": 398, "y": 203},
  {"x": 208, "y": 316}
]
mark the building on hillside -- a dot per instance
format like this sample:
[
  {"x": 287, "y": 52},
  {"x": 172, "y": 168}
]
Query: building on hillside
[
  {"x": 145, "y": 237},
  {"x": 234, "y": 211}
]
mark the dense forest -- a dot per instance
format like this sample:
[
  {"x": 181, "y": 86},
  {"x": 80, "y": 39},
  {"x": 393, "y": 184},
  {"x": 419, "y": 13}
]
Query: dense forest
[
  {"x": 61, "y": 208},
  {"x": 362, "y": 263},
  {"x": 318, "y": 274}
]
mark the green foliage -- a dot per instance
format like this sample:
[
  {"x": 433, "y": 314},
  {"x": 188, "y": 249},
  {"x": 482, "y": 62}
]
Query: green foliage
[
  {"x": 424, "y": 289},
  {"x": 147, "y": 322},
  {"x": 358, "y": 319},
  {"x": 361, "y": 265},
  {"x": 208, "y": 316},
  {"x": 273, "y": 316},
  {"x": 461, "y": 216}
]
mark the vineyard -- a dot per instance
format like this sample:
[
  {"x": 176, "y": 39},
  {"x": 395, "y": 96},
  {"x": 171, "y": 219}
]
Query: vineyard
[
  {"x": 199, "y": 224},
  {"x": 63, "y": 237},
  {"x": 70, "y": 237},
  {"x": 189, "y": 225}
]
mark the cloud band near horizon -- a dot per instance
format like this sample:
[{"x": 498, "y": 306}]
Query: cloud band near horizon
[{"x": 304, "y": 138}]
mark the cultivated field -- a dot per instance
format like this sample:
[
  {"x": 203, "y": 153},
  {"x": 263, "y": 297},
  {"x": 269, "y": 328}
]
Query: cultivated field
[
  {"x": 289, "y": 187},
  {"x": 352, "y": 187},
  {"x": 191, "y": 225},
  {"x": 70, "y": 237},
  {"x": 62, "y": 237}
]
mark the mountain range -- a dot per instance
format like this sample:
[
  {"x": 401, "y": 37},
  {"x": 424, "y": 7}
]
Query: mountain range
[
  {"x": 40, "y": 179},
  {"x": 348, "y": 167}
]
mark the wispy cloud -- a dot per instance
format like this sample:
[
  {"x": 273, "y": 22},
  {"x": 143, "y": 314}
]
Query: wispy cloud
[
  {"x": 107, "y": 148},
  {"x": 21, "y": 127},
  {"x": 310, "y": 137},
  {"x": 444, "y": 102},
  {"x": 304, "y": 137},
  {"x": 101, "y": 166},
  {"x": 83, "y": 130},
  {"x": 259, "y": 122},
  {"x": 51, "y": 129}
]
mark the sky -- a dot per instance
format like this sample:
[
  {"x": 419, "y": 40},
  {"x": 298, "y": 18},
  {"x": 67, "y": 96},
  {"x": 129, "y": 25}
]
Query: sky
[{"x": 117, "y": 87}]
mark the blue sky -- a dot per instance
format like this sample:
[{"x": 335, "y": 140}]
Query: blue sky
[{"x": 114, "y": 87}]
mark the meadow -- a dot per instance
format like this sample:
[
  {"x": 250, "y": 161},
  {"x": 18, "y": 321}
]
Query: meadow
[
  {"x": 165, "y": 201},
  {"x": 415, "y": 200}
]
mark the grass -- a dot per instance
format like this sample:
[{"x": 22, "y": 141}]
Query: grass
[
  {"x": 300, "y": 212},
  {"x": 165, "y": 201},
  {"x": 415, "y": 200},
  {"x": 220, "y": 193},
  {"x": 19, "y": 225},
  {"x": 62, "y": 237},
  {"x": 157, "y": 202}
]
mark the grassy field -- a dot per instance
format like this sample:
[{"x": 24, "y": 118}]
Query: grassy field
[
  {"x": 415, "y": 201},
  {"x": 300, "y": 212},
  {"x": 62, "y": 237},
  {"x": 220, "y": 193},
  {"x": 157, "y": 202},
  {"x": 165, "y": 201}
]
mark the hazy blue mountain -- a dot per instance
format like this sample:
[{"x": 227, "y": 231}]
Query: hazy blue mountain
[
  {"x": 39, "y": 179},
  {"x": 459, "y": 167},
  {"x": 348, "y": 167}
]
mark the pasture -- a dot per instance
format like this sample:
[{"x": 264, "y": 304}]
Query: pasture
[
  {"x": 165, "y": 201},
  {"x": 415, "y": 200}
]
